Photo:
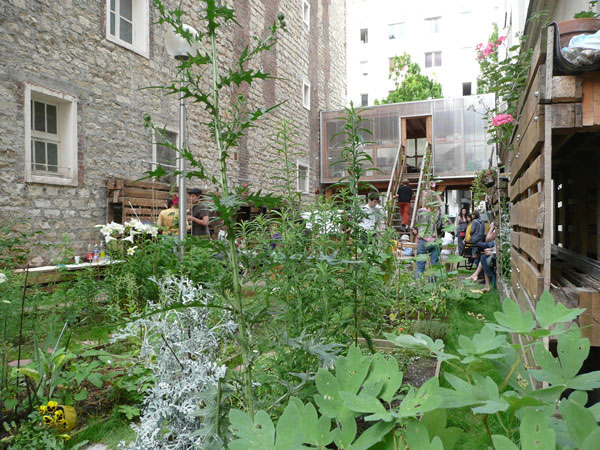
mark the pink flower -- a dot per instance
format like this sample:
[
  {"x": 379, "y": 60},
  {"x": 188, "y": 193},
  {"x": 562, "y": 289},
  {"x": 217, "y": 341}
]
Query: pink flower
[
  {"x": 478, "y": 46},
  {"x": 502, "y": 119},
  {"x": 500, "y": 40}
]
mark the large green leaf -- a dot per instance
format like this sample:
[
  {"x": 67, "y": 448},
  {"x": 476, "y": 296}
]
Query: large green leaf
[
  {"x": 436, "y": 421},
  {"x": 418, "y": 438},
  {"x": 364, "y": 403},
  {"x": 385, "y": 370},
  {"x": 535, "y": 433},
  {"x": 316, "y": 429},
  {"x": 503, "y": 443},
  {"x": 372, "y": 436},
  {"x": 572, "y": 351},
  {"x": 480, "y": 345},
  {"x": 289, "y": 435},
  {"x": 512, "y": 320},
  {"x": 591, "y": 441},
  {"x": 352, "y": 370},
  {"x": 426, "y": 398},
  {"x": 548, "y": 312},
  {"x": 421, "y": 342},
  {"x": 580, "y": 420},
  {"x": 252, "y": 435}
]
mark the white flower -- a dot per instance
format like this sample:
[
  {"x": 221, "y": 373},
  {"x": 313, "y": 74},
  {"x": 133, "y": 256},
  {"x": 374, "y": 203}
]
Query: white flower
[
  {"x": 131, "y": 250},
  {"x": 128, "y": 238},
  {"x": 108, "y": 238},
  {"x": 3, "y": 278}
]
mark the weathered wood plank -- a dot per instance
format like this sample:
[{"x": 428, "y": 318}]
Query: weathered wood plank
[
  {"x": 513, "y": 189},
  {"x": 567, "y": 88},
  {"x": 567, "y": 115},
  {"x": 146, "y": 193},
  {"x": 591, "y": 84},
  {"x": 533, "y": 246},
  {"x": 514, "y": 273},
  {"x": 514, "y": 215},
  {"x": 148, "y": 185},
  {"x": 589, "y": 321},
  {"x": 531, "y": 212},
  {"x": 530, "y": 278},
  {"x": 532, "y": 175},
  {"x": 529, "y": 142},
  {"x": 515, "y": 238},
  {"x": 135, "y": 202},
  {"x": 533, "y": 97}
]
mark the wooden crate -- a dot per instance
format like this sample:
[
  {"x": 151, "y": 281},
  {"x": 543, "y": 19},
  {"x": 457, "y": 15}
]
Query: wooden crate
[{"x": 127, "y": 199}]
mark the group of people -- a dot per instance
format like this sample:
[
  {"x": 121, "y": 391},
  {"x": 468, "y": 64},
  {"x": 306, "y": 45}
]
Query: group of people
[
  {"x": 197, "y": 216},
  {"x": 474, "y": 242}
]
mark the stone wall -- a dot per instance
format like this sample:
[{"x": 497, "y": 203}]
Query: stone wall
[{"x": 61, "y": 45}]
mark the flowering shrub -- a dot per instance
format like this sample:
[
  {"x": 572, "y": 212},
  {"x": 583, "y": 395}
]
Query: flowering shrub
[
  {"x": 127, "y": 231},
  {"x": 502, "y": 119},
  {"x": 503, "y": 73},
  {"x": 181, "y": 347}
]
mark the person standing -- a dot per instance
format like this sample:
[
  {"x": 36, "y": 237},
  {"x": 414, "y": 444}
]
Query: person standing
[
  {"x": 198, "y": 215},
  {"x": 168, "y": 218},
  {"x": 425, "y": 229},
  {"x": 372, "y": 214},
  {"x": 403, "y": 197},
  {"x": 462, "y": 223},
  {"x": 477, "y": 232}
]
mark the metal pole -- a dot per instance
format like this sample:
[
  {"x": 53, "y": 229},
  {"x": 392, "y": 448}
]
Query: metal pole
[{"x": 181, "y": 177}]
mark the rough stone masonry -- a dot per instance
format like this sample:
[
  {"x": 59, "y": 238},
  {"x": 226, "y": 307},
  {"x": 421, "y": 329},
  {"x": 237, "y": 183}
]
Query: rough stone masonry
[{"x": 62, "y": 46}]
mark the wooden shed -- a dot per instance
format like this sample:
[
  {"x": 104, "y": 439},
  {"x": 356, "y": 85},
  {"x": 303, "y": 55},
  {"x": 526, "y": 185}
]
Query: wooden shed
[{"x": 554, "y": 189}]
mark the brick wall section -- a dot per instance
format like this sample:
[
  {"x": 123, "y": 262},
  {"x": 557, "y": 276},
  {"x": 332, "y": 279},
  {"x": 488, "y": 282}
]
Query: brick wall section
[{"x": 64, "y": 48}]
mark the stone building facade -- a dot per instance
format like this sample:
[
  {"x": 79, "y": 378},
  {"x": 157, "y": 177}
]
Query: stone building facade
[{"x": 72, "y": 100}]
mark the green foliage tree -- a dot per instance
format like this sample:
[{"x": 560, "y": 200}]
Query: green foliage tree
[{"x": 411, "y": 84}]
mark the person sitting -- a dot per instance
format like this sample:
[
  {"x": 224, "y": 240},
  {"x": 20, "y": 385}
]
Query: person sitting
[{"x": 483, "y": 247}]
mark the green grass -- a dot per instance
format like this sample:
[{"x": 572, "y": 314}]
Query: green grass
[
  {"x": 463, "y": 320},
  {"x": 109, "y": 431}
]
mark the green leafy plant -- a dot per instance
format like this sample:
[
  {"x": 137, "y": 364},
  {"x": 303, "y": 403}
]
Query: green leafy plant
[
  {"x": 368, "y": 387},
  {"x": 226, "y": 126},
  {"x": 410, "y": 84},
  {"x": 589, "y": 13}
]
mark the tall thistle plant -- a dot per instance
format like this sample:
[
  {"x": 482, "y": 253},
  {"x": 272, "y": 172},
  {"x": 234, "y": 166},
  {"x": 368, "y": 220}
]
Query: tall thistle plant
[
  {"x": 356, "y": 161},
  {"x": 206, "y": 81}
]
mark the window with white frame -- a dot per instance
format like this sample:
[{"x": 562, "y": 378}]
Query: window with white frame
[
  {"x": 433, "y": 59},
  {"x": 164, "y": 152},
  {"x": 364, "y": 68},
  {"x": 50, "y": 136},
  {"x": 302, "y": 171},
  {"x": 127, "y": 24},
  {"x": 433, "y": 24},
  {"x": 396, "y": 30},
  {"x": 364, "y": 99},
  {"x": 306, "y": 94},
  {"x": 306, "y": 13}
]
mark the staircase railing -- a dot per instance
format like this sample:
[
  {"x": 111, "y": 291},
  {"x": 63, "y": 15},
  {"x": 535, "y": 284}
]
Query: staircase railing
[{"x": 426, "y": 158}]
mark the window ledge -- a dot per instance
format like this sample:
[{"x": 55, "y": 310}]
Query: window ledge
[
  {"x": 142, "y": 52},
  {"x": 50, "y": 179}
]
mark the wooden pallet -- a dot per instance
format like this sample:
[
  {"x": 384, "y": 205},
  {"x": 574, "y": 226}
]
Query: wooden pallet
[{"x": 127, "y": 199}]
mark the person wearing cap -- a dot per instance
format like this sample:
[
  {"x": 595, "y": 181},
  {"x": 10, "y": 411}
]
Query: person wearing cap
[
  {"x": 198, "y": 215},
  {"x": 403, "y": 197}
]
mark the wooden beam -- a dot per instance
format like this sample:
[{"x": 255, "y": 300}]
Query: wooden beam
[
  {"x": 532, "y": 175},
  {"x": 531, "y": 212},
  {"x": 567, "y": 89},
  {"x": 567, "y": 115},
  {"x": 533, "y": 246},
  {"x": 529, "y": 142}
]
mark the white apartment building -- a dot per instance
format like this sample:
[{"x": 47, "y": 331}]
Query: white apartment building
[{"x": 440, "y": 36}]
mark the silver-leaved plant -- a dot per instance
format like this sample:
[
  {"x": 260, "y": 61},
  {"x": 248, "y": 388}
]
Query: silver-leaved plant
[{"x": 180, "y": 342}]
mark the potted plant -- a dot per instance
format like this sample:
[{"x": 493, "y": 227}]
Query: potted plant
[{"x": 584, "y": 22}]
